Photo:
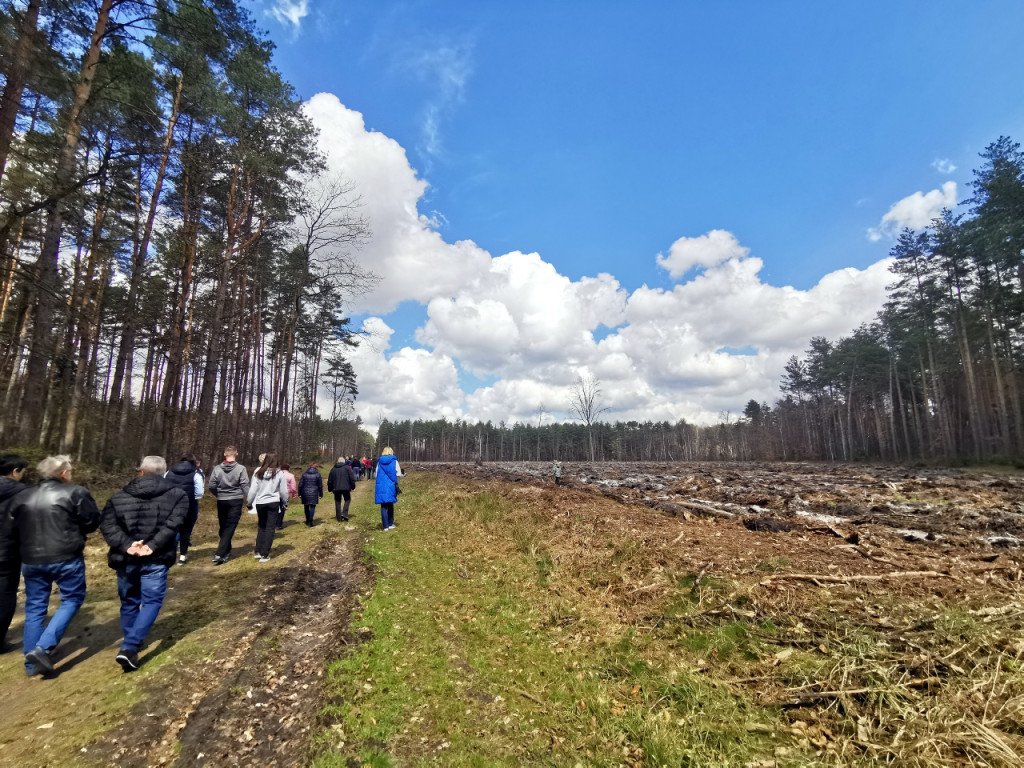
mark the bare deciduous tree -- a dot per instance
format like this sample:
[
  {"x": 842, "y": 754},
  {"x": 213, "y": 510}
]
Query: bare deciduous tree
[{"x": 585, "y": 404}]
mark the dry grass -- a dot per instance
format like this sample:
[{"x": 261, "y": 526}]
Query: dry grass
[{"x": 911, "y": 671}]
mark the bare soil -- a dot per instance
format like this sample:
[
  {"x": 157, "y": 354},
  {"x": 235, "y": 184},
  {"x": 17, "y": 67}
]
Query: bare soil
[{"x": 256, "y": 701}]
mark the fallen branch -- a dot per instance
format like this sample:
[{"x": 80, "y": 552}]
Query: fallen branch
[
  {"x": 843, "y": 579},
  {"x": 797, "y": 698},
  {"x": 706, "y": 510},
  {"x": 529, "y": 696}
]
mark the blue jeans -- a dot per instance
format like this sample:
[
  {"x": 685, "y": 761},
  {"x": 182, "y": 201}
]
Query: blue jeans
[
  {"x": 141, "y": 587},
  {"x": 387, "y": 515},
  {"x": 39, "y": 580}
]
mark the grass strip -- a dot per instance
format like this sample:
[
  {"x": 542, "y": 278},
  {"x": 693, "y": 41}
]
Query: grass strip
[{"x": 478, "y": 649}]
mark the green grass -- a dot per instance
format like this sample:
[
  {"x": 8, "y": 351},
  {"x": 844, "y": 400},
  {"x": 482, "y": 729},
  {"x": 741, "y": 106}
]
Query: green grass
[{"x": 471, "y": 657}]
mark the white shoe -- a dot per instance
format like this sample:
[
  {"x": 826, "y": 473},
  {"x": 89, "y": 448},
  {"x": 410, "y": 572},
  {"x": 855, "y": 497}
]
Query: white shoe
[
  {"x": 262, "y": 559},
  {"x": 182, "y": 559}
]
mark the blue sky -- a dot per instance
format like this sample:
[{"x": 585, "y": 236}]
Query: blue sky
[{"x": 594, "y": 137}]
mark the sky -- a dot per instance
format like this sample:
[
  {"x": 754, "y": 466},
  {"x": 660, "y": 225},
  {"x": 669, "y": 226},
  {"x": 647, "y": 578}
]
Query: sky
[{"x": 670, "y": 197}]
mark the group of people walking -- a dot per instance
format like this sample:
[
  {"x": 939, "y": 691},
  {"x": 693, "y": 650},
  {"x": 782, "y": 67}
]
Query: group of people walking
[{"x": 148, "y": 527}]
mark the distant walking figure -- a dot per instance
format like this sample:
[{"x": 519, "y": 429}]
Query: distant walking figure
[
  {"x": 229, "y": 482},
  {"x": 341, "y": 482},
  {"x": 140, "y": 524},
  {"x": 269, "y": 492},
  {"x": 187, "y": 476},
  {"x": 557, "y": 471},
  {"x": 311, "y": 490},
  {"x": 385, "y": 490},
  {"x": 293, "y": 492}
]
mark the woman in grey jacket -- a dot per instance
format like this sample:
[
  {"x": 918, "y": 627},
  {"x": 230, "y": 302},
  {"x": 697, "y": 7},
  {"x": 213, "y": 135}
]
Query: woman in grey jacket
[{"x": 268, "y": 491}]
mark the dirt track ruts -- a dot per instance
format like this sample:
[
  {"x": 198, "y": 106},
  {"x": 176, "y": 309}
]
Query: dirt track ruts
[{"x": 256, "y": 701}]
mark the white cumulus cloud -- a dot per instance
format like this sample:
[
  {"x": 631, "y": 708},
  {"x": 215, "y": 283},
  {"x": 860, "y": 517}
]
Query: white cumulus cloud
[
  {"x": 706, "y": 346},
  {"x": 705, "y": 251},
  {"x": 914, "y": 211}
]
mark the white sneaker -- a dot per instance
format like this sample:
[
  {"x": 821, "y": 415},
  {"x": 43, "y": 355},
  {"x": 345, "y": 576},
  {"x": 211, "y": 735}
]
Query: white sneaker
[
  {"x": 262, "y": 559},
  {"x": 182, "y": 559}
]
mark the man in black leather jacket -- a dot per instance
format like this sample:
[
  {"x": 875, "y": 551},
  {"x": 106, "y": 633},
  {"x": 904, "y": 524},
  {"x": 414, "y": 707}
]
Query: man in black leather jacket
[
  {"x": 141, "y": 523},
  {"x": 53, "y": 519}
]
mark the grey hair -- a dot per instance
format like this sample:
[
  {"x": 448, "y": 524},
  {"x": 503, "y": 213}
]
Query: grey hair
[
  {"x": 153, "y": 465},
  {"x": 53, "y": 466}
]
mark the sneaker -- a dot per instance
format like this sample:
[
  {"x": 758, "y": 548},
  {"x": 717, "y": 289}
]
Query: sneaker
[
  {"x": 182, "y": 559},
  {"x": 255, "y": 556},
  {"x": 40, "y": 659},
  {"x": 129, "y": 660},
  {"x": 219, "y": 560},
  {"x": 264, "y": 559}
]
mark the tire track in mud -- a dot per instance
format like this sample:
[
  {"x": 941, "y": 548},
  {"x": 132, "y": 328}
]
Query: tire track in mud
[{"x": 256, "y": 702}]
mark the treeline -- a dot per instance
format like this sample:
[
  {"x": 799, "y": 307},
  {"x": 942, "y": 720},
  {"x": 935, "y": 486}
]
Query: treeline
[
  {"x": 173, "y": 255},
  {"x": 443, "y": 440},
  {"x": 938, "y": 375}
]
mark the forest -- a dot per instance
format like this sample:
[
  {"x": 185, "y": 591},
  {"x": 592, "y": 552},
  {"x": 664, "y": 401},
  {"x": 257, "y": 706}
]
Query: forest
[
  {"x": 175, "y": 259},
  {"x": 173, "y": 253},
  {"x": 936, "y": 378}
]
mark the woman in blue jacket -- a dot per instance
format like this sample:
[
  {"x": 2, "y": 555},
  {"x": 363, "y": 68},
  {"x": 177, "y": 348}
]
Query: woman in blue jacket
[{"x": 385, "y": 491}]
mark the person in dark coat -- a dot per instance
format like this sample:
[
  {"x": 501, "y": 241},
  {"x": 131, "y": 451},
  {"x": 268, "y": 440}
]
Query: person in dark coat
[
  {"x": 341, "y": 482},
  {"x": 311, "y": 490},
  {"x": 53, "y": 519},
  {"x": 12, "y": 467},
  {"x": 187, "y": 476},
  {"x": 140, "y": 524},
  {"x": 385, "y": 491}
]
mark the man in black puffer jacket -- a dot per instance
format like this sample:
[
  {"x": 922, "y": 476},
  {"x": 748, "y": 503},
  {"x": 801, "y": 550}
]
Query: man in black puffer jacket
[
  {"x": 140, "y": 523},
  {"x": 52, "y": 519}
]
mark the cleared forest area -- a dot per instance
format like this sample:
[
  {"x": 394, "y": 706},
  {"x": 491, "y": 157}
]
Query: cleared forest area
[{"x": 711, "y": 638}]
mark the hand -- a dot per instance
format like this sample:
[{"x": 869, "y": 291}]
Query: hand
[{"x": 136, "y": 547}]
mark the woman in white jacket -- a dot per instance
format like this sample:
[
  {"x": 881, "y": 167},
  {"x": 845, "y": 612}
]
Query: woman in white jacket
[{"x": 268, "y": 491}]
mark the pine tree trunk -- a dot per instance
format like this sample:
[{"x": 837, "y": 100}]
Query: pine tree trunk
[{"x": 42, "y": 343}]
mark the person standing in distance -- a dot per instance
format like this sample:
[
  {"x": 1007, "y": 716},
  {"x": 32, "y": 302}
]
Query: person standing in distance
[
  {"x": 53, "y": 519},
  {"x": 140, "y": 525},
  {"x": 229, "y": 482},
  {"x": 12, "y": 468},
  {"x": 341, "y": 482},
  {"x": 385, "y": 491}
]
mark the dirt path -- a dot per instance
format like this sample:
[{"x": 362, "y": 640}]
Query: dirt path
[
  {"x": 256, "y": 701},
  {"x": 232, "y": 671}
]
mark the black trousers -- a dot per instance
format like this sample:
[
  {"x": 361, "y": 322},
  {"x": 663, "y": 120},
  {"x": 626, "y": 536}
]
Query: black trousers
[
  {"x": 341, "y": 513},
  {"x": 10, "y": 576},
  {"x": 229, "y": 512},
  {"x": 266, "y": 522},
  {"x": 185, "y": 534}
]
